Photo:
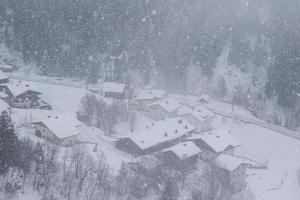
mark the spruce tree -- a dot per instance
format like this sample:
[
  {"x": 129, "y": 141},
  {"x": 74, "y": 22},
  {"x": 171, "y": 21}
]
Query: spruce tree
[
  {"x": 170, "y": 191},
  {"x": 8, "y": 144}
]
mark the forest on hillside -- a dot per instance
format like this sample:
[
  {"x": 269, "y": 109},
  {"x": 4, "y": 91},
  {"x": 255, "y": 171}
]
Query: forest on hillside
[{"x": 160, "y": 41}]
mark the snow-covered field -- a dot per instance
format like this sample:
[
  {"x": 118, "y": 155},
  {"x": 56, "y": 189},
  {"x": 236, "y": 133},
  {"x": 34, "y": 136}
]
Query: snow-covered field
[{"x": 281, "y": 154}]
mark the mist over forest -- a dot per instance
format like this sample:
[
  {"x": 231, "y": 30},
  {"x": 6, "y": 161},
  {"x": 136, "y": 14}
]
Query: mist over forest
[{"x": 79, "y": 37}]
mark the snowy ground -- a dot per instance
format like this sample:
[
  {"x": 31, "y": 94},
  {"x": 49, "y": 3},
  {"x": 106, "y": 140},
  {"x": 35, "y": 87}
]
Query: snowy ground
[{"x": 280, "y": 153}]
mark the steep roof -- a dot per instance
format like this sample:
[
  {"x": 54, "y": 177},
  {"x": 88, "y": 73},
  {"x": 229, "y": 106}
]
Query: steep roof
[
  {"x": 150, "y": 94},
  {"x": 218, "y": 140},
  {"x": 18, "y": 87},
  {"x": 168, "y": 104},
  {"x": 62, "y": 126},
  {"x": 199, "y": 112},
  {"x": 184, "y": 150},
  {"x": 230, "y": 162},
  {"x": 114, "y": 87},
  {"x": 160, "y": 132}
]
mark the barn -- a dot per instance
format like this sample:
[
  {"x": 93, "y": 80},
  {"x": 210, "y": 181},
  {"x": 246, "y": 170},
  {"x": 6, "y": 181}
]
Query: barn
[{"x": 155, "y": 137}]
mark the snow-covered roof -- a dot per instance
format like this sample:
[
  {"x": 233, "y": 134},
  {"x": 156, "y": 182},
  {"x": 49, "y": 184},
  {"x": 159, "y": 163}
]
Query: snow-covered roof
[
  {"x": 62, "y": 126},
  {"x": 230, "y": 162},
  {"x": 160, "y": 131},
  {"x": 114, "y": 87},
  {"x": 199, "y": 112},
  {"x": 18, "y": 87},
  {"x": 150, "y": 94},
  {"x": 3, "y": 106},
  {"x": 3, "y": 75},
  {"x": 218, "y": 140},
  {"x": 184, "y": 150},
  {"x": 3, "y": 95},
  {"x": 168, "y": 104}
]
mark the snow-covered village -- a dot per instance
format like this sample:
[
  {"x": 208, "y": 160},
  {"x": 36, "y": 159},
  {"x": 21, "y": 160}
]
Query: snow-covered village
[{"x": 125, "y": 125}]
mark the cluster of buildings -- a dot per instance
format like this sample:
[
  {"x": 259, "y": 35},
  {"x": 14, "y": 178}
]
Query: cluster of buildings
[{"x": 180, "y": 135}]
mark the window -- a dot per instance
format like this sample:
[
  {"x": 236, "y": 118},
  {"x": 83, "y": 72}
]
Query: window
[{"x": 38, "y": 133}]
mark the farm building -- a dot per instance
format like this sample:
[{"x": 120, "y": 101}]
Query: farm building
[
  {"x": 113, "y": 90},
  {"x": 20, "y": 95},
  {"x": 197, "y": 115},
  {"x": 181, "y": 155},
  {"x": 232, "y": 171},
  {"x": 60, "y": 129},
  {"x": 163, "y": 109},
  {"x": 213, "y": 143},
  {"x": 155, "y": 137}
]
